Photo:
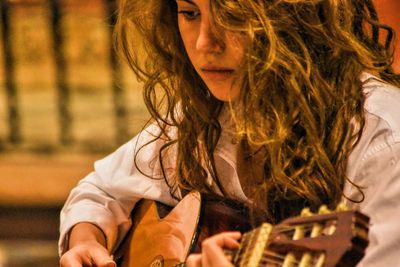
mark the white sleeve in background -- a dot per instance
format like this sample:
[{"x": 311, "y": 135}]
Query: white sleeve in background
[
  {"x": 382, "y": 204},
  {"x": 107, "y": 195},
  {"x": 375, "y": 166}
]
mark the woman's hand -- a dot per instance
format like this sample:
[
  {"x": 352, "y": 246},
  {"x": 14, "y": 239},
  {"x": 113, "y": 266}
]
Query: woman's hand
[
  {"x": 86, "y": 248},
  {"x": 88, "y": 254},
  {"x": 212, "y": 251}
]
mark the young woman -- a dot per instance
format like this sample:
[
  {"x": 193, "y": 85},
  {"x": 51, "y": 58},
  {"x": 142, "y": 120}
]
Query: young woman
[{"x": 280, "y": 104}]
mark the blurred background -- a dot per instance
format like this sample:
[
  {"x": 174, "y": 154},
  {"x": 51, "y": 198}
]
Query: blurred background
[{"x": 65, "y": 101}]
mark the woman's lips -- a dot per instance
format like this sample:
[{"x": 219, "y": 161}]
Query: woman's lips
[{"x": 217, "y": 74}]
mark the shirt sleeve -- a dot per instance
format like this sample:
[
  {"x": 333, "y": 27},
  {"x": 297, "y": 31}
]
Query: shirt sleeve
[
  {"x": 382, "y": 198},
  {"x": 106, "y": 196},
  {"x": 377, "y": 171}
]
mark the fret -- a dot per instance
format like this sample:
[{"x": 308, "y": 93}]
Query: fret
[
  {"x": 244, "y": 244},
  {"x": 248, "y": 247},
  {"x": 259, "y": 239}
]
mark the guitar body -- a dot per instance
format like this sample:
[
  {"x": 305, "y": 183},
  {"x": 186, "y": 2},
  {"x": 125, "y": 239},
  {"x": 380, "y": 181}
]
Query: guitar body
[
  {"x": 158, "y": 241},
  {"x": 164, "y": 236}
]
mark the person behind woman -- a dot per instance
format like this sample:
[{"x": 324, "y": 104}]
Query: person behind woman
[{"x": 280, "y": 104}]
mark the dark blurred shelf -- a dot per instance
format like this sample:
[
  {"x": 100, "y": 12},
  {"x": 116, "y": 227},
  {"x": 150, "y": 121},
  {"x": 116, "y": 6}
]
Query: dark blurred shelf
[
  {"x": 33, "y": 222},
  {"x": 28, "y": 236},
  {"x": 28, "y": 253}
]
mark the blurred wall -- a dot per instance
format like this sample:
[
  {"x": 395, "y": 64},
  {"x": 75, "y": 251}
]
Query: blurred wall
[{"x": 389, "y": 13}]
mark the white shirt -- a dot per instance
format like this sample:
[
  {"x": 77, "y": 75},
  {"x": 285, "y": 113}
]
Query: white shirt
[{"x": 107, "y": 195}]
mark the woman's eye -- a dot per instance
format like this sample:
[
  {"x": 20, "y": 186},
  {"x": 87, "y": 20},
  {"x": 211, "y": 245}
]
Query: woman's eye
[{"x": 189, "y": 14}]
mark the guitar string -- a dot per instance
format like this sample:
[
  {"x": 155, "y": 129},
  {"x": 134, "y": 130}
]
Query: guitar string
[
  {"x": 247, "y": 238},
  {"x": 280, "y": 260},
  {"x": 247, "y": 243},
  {"x": 250, "y": 242},
  {"x": 267, "y": 254},
  {"x": 275, "y": 258},
  {"x": 264, "y": 262},
  {"x": 293, "y": 263},
  {"x": 266, "y": 258}
]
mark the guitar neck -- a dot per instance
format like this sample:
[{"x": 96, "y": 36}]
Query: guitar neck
[{"x": 327, "y": 239}]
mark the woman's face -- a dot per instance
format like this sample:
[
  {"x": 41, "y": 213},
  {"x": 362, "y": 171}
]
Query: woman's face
[{"x": 216, "y": 54}]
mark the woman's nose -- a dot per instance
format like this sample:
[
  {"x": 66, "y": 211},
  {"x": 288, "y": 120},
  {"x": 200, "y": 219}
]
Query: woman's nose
[{"x": 210, "y": 39}]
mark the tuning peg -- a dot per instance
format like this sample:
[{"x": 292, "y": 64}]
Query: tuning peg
[
  {"x": 324, "y": 210},
  {"x": 306, "y": 212},
  {"x": 342, "y": 207}
]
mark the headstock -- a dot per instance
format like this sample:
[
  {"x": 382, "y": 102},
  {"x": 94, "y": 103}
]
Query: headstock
[{"x": 326, "y": 239}]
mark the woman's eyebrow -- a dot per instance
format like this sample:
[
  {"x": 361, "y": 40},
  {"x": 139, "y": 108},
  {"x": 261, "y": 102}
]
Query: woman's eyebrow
[{"x": 188, "y": 1}]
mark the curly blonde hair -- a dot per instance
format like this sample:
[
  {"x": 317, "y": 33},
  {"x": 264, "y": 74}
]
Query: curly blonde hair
[{"x": 299, "y": 99}]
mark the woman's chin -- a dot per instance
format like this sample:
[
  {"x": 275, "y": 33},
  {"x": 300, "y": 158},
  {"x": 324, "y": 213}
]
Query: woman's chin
[{"x": 224, "y": 94}]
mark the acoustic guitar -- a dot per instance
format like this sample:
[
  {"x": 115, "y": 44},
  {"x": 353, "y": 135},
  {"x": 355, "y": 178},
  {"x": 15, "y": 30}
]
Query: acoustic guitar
[{"x": 162, "y": 236}]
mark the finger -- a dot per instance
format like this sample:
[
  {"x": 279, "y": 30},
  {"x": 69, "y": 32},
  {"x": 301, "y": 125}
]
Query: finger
[
  {"x": 213, "y": 254},
  {"x": 226, "y": 239},
  {"x": 102, "y": 258},
  {"x": 76, "y": 260},
  {"x": 67, "y": 261},
  {"x": 76, "y": 257},
  {"x": 107, "y": 263},
  {"x": 194, "y": 260}
]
